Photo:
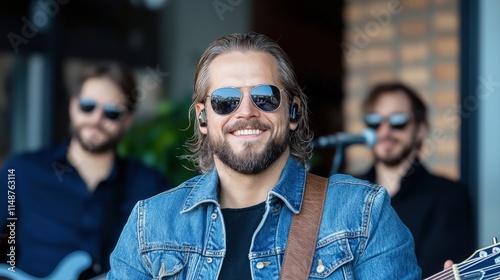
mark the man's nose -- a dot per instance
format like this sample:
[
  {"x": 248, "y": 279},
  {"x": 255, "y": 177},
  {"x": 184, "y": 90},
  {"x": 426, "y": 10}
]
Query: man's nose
[
  {"x": 384, "y": 129},
  {"x": 97, "y": 115},
  {"x": 247, "y": 108}
]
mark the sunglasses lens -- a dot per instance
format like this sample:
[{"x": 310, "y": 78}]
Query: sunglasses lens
[
  {"x": 87, "y": 105},
  {"x": 399, "y": 121},
  {"x": 266, "y": 97},
  {"x": 396, "y": 121},
  {"x": 112, "y": 112},
  {"x": 225, "y": 100},
  {"x": 373, "y": 120}
]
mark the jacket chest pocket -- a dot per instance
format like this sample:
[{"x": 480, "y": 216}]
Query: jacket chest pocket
[
  {"x": 330, "y": 258},
  {"x": 168, "y": 265},
  {"x": 185, "y": 265}
]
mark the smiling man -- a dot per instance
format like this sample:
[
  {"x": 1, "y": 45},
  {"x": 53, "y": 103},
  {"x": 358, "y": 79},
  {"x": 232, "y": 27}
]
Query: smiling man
[
  {"x": 251, "y": 143},
  {"x": 436, "y": 210},
  {"x": 77, "y": 196}
]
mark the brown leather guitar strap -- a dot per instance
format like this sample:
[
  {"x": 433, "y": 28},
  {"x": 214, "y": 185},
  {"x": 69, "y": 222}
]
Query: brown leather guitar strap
[{"x": 304, "y": 230}]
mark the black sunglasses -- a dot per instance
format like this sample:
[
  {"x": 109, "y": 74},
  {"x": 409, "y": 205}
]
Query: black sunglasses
[
  {"x": 396, "y": 121},
  {"x": 226, "y": 100},
  {"x": 112, "y": 112}
]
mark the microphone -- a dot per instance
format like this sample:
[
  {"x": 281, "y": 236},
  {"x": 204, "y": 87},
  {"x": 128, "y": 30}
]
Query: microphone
[{"x": 368, "y": 137}]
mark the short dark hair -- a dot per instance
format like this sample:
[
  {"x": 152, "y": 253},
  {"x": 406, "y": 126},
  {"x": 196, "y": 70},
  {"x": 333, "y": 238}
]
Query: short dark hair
[
  {"x": 418, "y": 107},
  {"x": 120, "y": 74}
]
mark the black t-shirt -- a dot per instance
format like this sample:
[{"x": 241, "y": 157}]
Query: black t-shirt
[{"x": 240, "y": 226}]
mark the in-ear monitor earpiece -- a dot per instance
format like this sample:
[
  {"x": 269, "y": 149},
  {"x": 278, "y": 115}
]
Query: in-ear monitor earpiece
[
  {"x": 294, "y": 112},
  {"x": 202, "y": 118}
]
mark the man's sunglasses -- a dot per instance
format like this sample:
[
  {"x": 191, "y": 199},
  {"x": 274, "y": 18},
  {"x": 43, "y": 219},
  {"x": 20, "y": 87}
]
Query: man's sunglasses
[
  {"x": 396, "y": 121},
  {"x": 226, "y": 100},
  {"x": 112, "y": 112}
]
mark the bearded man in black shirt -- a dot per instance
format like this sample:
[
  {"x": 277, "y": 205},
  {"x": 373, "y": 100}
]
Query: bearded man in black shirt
[{"x": 435, "y": 209}]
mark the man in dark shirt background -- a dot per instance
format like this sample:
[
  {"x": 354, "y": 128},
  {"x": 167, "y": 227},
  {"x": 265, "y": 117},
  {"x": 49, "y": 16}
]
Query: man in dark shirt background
[
  {"x": 436, "y": 210},
  {"x": 78, "y": 195}
]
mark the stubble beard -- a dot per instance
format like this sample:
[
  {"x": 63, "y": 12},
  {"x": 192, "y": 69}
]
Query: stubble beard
[
  {"x": 404, "y": 155},
  {"x": 96, "y": 145}
]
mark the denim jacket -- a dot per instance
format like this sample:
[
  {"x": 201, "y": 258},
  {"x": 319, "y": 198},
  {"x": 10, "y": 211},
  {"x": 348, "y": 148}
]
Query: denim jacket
[{"x": 179, "y": 234}]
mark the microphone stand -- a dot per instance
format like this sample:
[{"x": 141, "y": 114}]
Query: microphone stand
[{"x": 337, "y": 159}]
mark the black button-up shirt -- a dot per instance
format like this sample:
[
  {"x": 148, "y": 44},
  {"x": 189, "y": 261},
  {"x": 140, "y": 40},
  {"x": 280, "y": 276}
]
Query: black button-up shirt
[{"x": 55, "y": 214}]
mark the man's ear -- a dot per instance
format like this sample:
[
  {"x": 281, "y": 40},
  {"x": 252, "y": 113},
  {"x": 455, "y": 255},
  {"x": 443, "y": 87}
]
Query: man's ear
[
  {"x": 129, "y": 119},
  {"x": 73, "y": 106},
  {"x": 422, "y": 131},
  {"x": 294, "y": 112},
  {"x": 201, "y": 117}
]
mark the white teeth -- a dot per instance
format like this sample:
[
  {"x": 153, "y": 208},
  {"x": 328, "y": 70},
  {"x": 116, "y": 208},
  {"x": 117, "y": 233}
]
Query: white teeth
[{"x": 247, "y": 132}]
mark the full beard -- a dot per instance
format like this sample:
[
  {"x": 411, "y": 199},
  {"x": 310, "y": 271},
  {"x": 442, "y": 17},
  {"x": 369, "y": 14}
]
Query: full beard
[
  {"x": 248, "y": 162},
  {"x": 99, "y": 144}
]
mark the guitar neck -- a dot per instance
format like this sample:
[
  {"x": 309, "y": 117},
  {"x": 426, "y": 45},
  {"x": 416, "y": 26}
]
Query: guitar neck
[
  {"x": 483, "y": 264},
  {"x": 448, "y": 274}
]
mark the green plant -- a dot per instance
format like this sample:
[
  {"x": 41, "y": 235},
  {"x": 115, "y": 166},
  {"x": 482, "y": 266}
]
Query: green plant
[{"x": 159, "y": 142}]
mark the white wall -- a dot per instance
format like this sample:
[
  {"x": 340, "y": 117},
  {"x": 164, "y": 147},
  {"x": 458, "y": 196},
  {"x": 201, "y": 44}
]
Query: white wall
[{"x": 488, "y": 94}]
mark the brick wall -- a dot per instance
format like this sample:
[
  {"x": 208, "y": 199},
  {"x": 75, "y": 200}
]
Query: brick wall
[{"x": 415, "y": 41}]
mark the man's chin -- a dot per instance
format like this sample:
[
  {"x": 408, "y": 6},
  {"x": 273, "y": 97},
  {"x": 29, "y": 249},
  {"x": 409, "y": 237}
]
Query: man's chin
[
  {"x": 393, "y": 157},
  {"x": 98, "y": 148},
  {"x": 248, "y": 161},
  {"x": 96, "y": 143},
  {"x": 391, "y": 160}
]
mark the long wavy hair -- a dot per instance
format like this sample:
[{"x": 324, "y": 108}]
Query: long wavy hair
[{"x": 299, "y": 140}]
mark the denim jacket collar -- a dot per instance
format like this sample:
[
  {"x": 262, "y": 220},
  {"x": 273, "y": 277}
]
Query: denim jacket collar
[
  {"x": 205, "y": 188},
  {"x": 290, "y": 187},
  {"x": 203, "y": 191}
]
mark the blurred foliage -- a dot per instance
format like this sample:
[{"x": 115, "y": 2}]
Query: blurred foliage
[{"x": 159, "y": 142}]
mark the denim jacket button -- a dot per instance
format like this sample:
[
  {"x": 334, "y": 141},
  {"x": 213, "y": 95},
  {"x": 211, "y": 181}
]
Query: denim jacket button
[
  {"x": 320, "y": 268},
  {"x": 214, "y": 216},
  {"x": 209, "y": 260},
  {"x": 261, "y": 265}
]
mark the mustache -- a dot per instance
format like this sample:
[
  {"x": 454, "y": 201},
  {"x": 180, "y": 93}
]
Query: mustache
[
  {"x": 389, "y": 139},
  {"x": 100, "y": 127},
  {"x": 242, "y": 124}
]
